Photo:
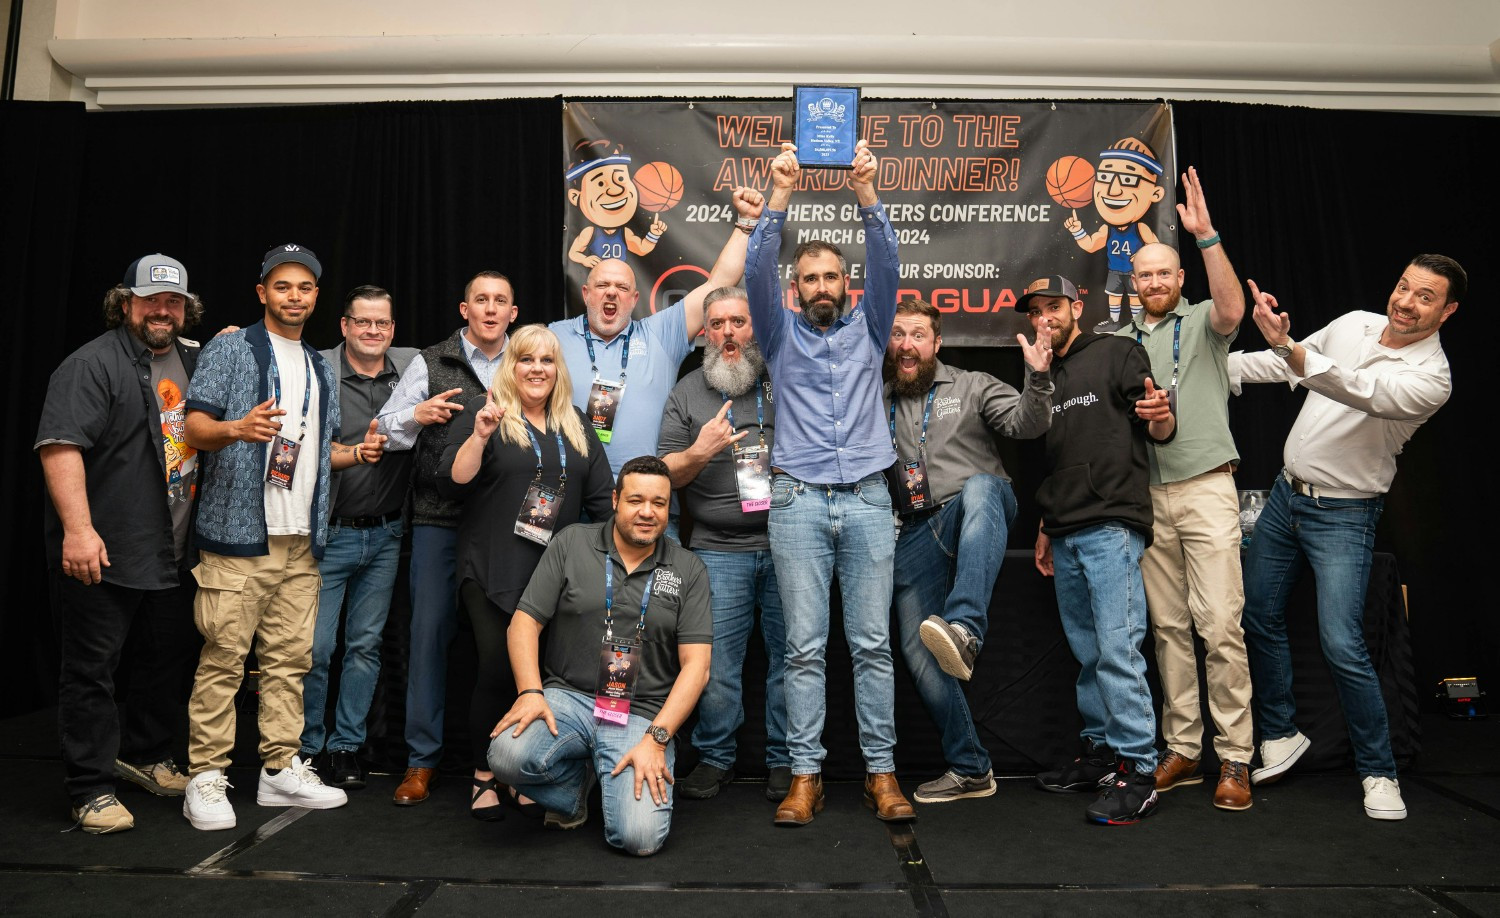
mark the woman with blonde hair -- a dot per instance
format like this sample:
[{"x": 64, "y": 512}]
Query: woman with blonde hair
[{"x": 525, "y": 463}]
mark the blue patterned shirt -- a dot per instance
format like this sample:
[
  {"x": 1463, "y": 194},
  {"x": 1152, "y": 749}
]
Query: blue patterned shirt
[{"x": 233, "y": 376}]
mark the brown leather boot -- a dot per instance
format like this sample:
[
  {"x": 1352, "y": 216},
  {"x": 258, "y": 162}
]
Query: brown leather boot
[
  {"x": 1233, "y": 792},
  {"x": 413, "y": 789},
  {"x": 883, "y": 795},
  {"x": 803, "y": 801}
]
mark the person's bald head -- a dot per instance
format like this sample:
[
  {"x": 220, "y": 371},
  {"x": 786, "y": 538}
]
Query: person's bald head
[{"x": 609, "y": 295}]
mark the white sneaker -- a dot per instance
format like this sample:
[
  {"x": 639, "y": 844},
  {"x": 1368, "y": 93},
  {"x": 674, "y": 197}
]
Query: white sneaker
[
  {"x": 1277, "y": 756},
  {"x": 1383, "y": 798},
  {"x": 205, "y": 804},
  {"x": 298, "y": 785}
]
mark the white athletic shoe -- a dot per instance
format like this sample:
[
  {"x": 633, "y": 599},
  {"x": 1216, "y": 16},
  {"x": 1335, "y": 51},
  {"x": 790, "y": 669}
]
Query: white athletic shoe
[
  {"x": 1383, "y": 798},
  {"x": 1277, "y": 756},
  {"x": 205, "y": 803},
  {"x": 298, "y": 784}
]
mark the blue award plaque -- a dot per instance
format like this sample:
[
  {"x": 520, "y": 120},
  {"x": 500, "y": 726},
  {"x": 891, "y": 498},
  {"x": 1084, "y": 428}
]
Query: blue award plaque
[{"x": 827, "y": 119}]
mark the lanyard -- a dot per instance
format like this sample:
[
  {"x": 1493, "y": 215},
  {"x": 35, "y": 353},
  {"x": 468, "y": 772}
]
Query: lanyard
[
  {"x": 306, "y": 393},
  {"x": 926, "y": 413},
  {"x": 1176, "y": 347},
  {"x": 609, "y": 599},
  {"x": 760, "y": 411},
  {"x": 594, "y": 363},
  {"x": 562, "y": 454}
]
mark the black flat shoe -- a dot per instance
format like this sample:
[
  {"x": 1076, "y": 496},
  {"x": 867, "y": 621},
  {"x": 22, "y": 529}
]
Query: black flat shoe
[{"x": 487, "y": 813}]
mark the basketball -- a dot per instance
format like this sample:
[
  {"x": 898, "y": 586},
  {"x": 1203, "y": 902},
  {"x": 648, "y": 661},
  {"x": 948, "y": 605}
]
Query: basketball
[
  {"x": 1070, "y": 181},
  {"x": 660, "y": 186}
]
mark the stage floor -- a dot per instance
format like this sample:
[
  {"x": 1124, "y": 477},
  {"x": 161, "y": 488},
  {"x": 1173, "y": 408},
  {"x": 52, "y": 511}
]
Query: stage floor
[{"x": 1304, "y": 847}]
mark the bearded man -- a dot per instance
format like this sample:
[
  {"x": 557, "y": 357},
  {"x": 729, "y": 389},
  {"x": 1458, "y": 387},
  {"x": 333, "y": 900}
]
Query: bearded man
[
  {"x": 956, "y": 506},
  {"x": 111, "y": 438},
  {"x": 716, "y": 438},
  {"x": 1192, "y": 567}
]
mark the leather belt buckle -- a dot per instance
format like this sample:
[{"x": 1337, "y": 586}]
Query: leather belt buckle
[
  {"x": 367, "y": 522},
  {"x": 1301, "y": 487}
]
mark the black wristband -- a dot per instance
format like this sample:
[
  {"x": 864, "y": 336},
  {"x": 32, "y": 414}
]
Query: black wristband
[{"x": 530, "y": 691}]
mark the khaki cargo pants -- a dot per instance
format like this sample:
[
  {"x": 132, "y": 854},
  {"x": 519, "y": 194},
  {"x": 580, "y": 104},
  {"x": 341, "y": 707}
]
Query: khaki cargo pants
[{"x": 272, "y": 600}]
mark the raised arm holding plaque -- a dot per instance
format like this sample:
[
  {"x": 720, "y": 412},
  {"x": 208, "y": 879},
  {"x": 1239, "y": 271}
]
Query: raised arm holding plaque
[{"x": 827, "y": 119}]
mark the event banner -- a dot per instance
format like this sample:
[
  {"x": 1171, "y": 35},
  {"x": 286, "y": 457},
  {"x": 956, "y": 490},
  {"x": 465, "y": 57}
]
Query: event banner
[{"x": 984, "y": 197}]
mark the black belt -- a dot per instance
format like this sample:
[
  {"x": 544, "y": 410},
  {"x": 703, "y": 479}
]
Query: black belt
[{"x": 367, "y": 522}]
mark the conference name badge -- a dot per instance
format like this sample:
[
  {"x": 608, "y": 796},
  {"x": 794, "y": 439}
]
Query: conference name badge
[
  {"x": 618, "y": 668},
  {"x": 604, "y": 399},
  {"x": 283, "y": 463},
  {"x": 538, "y": 517},
  {"x": 752, "y": 477},
  {"x": 912, "y": 486}
]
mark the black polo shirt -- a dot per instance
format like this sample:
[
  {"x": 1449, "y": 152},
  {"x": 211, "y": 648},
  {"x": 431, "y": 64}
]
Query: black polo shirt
[
  {"x": 368, "y": 490},
  {"x": 566, "y": 594},
  {"x": 100, "y": 399}
]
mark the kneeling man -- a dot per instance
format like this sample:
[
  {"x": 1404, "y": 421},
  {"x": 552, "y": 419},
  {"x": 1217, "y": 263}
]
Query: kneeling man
[{"x": 627, "y": 658}]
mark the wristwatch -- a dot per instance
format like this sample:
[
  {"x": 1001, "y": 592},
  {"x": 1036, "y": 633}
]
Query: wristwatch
[
  {"x": 659, "y": 734},
  {"x": 1284, "y": 351}
]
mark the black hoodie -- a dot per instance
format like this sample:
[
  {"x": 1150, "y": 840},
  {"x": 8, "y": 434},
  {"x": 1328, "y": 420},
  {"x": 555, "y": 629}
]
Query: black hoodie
[{"x": 1098, "y": 469}]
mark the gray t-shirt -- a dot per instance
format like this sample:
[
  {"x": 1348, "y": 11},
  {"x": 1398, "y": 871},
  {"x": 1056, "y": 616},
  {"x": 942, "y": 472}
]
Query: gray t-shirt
[
  {"x": 566, "y": 594},
  {"x": 169, "y": 380},
  {"x": 713, "y": 497}
]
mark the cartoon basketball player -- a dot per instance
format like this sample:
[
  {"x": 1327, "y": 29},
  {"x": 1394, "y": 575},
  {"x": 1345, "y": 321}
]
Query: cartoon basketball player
[
  {"x": 602, "y": 189},
  {"x": 1126, "y": 184}
]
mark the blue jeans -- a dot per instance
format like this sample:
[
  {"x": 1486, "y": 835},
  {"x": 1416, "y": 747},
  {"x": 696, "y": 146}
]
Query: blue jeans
[
  {"x": 434, "y": 622},
  {"x": 738, "y": 581},
  {"x": 815, "y": 530},
  {"x": 558, "y": 771},
  {"x": 1102, "y": 601},
  {"x": 966, "y": 540},
  {"x": 361, "y": 562},
  {"x": 1336, "y": 536}
]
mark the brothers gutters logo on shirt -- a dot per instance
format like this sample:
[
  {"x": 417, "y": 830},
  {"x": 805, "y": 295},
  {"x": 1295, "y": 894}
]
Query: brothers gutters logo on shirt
[
  {"x": 667, "y": 584},
  {"x": 948, "y": 404}
]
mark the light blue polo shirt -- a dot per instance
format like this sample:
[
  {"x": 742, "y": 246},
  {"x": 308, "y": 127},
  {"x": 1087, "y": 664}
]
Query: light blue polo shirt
[{"x": 658, "y": 345}]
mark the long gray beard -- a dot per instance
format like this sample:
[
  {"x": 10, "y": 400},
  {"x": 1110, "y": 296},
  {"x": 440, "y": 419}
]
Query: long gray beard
[{"x": 737, "y": 378}]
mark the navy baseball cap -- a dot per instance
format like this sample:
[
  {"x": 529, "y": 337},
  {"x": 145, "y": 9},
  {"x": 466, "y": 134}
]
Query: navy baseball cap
[
  {"x": 291, "y": 254},
  {"x": 158, "y": 273}
]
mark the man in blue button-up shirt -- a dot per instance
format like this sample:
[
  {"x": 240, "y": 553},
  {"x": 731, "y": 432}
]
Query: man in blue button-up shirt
[{"x": 830, "y": 509}]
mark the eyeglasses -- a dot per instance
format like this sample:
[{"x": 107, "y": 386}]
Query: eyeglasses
[
  {"x": 1127, "y": 179},
  {"x": 364, "y": 324}
]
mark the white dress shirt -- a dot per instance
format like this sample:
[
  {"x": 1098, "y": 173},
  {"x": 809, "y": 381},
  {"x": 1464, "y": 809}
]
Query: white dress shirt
[{"x": 1364, "y": 402}]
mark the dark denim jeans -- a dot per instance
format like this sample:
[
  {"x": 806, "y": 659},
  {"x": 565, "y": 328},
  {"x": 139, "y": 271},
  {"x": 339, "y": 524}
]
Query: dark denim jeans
[
  {"x": 360, "y": 564},
  {"x": 946, "y": 565},
  {"x": 1336, "y": 537}
]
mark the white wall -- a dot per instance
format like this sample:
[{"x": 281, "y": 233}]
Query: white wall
[{"x": 1443, "y": 55}]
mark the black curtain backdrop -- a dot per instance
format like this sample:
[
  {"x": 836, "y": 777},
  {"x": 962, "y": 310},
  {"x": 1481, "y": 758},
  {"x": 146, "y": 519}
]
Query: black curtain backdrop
[{"x": 1322, "y": 208}]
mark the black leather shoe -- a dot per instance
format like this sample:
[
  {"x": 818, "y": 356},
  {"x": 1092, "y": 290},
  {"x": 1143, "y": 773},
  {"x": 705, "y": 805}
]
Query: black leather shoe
[{"x": 344, "y": 771}]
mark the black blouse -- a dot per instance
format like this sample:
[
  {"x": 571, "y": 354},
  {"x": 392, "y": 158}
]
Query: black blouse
[{"x": 489, "y": 552}]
